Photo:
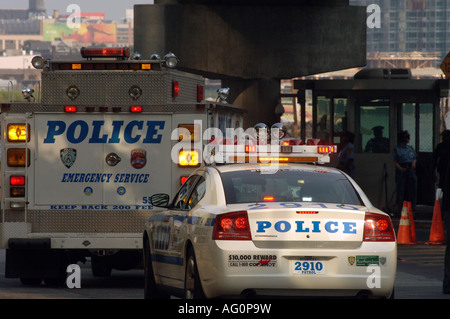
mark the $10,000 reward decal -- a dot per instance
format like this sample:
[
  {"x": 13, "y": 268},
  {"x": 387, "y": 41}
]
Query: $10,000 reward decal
[{"x": 250, "y": 260}]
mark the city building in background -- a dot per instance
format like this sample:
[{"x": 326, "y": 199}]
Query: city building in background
[{"x": 25, "y": 33}]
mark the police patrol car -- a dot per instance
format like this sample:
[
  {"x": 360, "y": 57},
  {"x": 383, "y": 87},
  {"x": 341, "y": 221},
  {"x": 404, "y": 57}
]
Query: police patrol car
[
  {"x": 269, "y": 227},
  {"x": 81, "y": 159}
]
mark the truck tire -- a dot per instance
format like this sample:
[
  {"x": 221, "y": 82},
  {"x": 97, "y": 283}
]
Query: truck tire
[{"x": 100, "y": 267}]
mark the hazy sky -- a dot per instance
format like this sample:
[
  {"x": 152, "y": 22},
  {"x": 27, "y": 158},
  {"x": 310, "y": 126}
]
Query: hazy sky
[{"x": 114, "y": 10}]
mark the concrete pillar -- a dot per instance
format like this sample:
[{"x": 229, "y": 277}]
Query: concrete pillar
[
  {"x": 251, "y": 46},
  {"x": 260, "y": 98}
]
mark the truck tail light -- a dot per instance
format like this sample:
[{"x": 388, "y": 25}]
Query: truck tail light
[
  {"x": 18, "y": 157},
  {"x": 232, "y": 226},
  {"x": 183, "y": 179},
  {"x": 17, "y": 186},
  {"x": 17, "y": 180},
  {"x": 378, "y": 227},
  {"x": 18, "y": 133},
  {"x": 188, "y": 158}
]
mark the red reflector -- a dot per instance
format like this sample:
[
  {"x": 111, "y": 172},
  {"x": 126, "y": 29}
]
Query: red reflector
[
  {"x": 378, "y": 227},
  {"x": 200, "y": 94},
  {"x": 232, "y": 226},
  {"x": 70, "y": 109},
  {"x": 135, "y": 109},
  {"x": 175, "y": 89},
  {"x": 17, "y": 180}
]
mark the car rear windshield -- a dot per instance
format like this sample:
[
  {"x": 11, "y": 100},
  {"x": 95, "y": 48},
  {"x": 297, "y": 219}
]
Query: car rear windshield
[{"x": 320, "y": 186}]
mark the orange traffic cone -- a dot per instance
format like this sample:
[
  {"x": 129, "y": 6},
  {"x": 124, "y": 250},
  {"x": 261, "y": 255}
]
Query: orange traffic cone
[
  {"x": 404, "y": 229},
  {"x": 437, "y": 235},
  {"x": 411, "y": 222}
]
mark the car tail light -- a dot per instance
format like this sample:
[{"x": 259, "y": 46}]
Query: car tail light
[
  {"x": 232, "y": 226},
  {"x": 378, "y": 227}
]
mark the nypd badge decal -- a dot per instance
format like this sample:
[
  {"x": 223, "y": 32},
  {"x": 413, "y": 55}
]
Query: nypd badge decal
[
  {"x": 68, "y": 156},
  {"x": 138, "y": 158}
]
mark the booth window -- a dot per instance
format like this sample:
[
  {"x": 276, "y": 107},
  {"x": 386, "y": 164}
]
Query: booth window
[{"x": 374, "y": 121}]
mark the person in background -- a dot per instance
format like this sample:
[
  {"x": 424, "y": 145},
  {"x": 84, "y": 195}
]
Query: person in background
[
  {"x": 377, "y": 144},
  {"x": 441, "y": 163},
  {"x": 405, "y": 159},
  {"x": 441, "y": 158},
  {"x": 346, "y": 157}
]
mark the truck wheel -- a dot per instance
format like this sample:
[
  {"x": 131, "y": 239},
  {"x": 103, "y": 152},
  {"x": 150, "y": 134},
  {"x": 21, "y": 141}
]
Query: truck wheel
[
  {"x": 100, "y": 267},
  {"x": 192, "y": 285},
  {"x": 151, "y": 290}
]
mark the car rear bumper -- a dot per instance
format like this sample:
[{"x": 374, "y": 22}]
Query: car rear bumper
[{"x": 239, "y": 268}]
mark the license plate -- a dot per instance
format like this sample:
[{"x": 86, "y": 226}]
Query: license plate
[
  {"x": 308, "y": 267},
  {"x": 286, "y": 149}
]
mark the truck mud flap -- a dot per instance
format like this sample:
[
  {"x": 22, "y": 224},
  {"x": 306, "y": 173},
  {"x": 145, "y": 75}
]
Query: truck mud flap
[{"x": 32, "y": 258}]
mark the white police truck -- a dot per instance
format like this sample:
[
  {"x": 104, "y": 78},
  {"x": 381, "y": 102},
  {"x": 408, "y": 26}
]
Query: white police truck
[{"x": 82, "y": 156}]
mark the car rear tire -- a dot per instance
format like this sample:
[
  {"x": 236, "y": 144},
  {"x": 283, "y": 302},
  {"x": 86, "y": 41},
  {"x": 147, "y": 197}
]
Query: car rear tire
[{"x": 192, "y": 285}]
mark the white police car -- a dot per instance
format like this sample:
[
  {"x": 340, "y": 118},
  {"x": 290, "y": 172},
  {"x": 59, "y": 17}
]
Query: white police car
[{"x": 244, "y": 229}]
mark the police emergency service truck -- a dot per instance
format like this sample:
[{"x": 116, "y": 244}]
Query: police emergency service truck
[{"x": 80, "y": 163}]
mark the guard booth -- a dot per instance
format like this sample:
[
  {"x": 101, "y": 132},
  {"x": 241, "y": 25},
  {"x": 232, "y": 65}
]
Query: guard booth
[{"x": 381, "y": 102}]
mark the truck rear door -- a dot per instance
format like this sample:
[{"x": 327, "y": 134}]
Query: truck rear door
[{"x": 101, "y": 161}]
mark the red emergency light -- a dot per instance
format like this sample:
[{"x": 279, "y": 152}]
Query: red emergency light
[
  {"x": 105, "y": 52},
  {"x": 175, "y": 89},
  {"x": 135, "y": 109},
  {"x": 70, "y": 109},
  {"x": 200, "y": 93},
  {"x": 326, "y": 149}
]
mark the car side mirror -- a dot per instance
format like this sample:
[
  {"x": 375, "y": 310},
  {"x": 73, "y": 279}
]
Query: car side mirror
[{"x": 160, "y": 200}]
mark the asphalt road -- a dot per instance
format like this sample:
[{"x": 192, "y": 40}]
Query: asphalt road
[{"x": 419, "y": 276}]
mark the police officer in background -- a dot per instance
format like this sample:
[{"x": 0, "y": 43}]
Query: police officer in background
[
  {"x": 405, "y": 158},
  {"x": 377, "y": 144},
  {"x": 346, "y": 157}
]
